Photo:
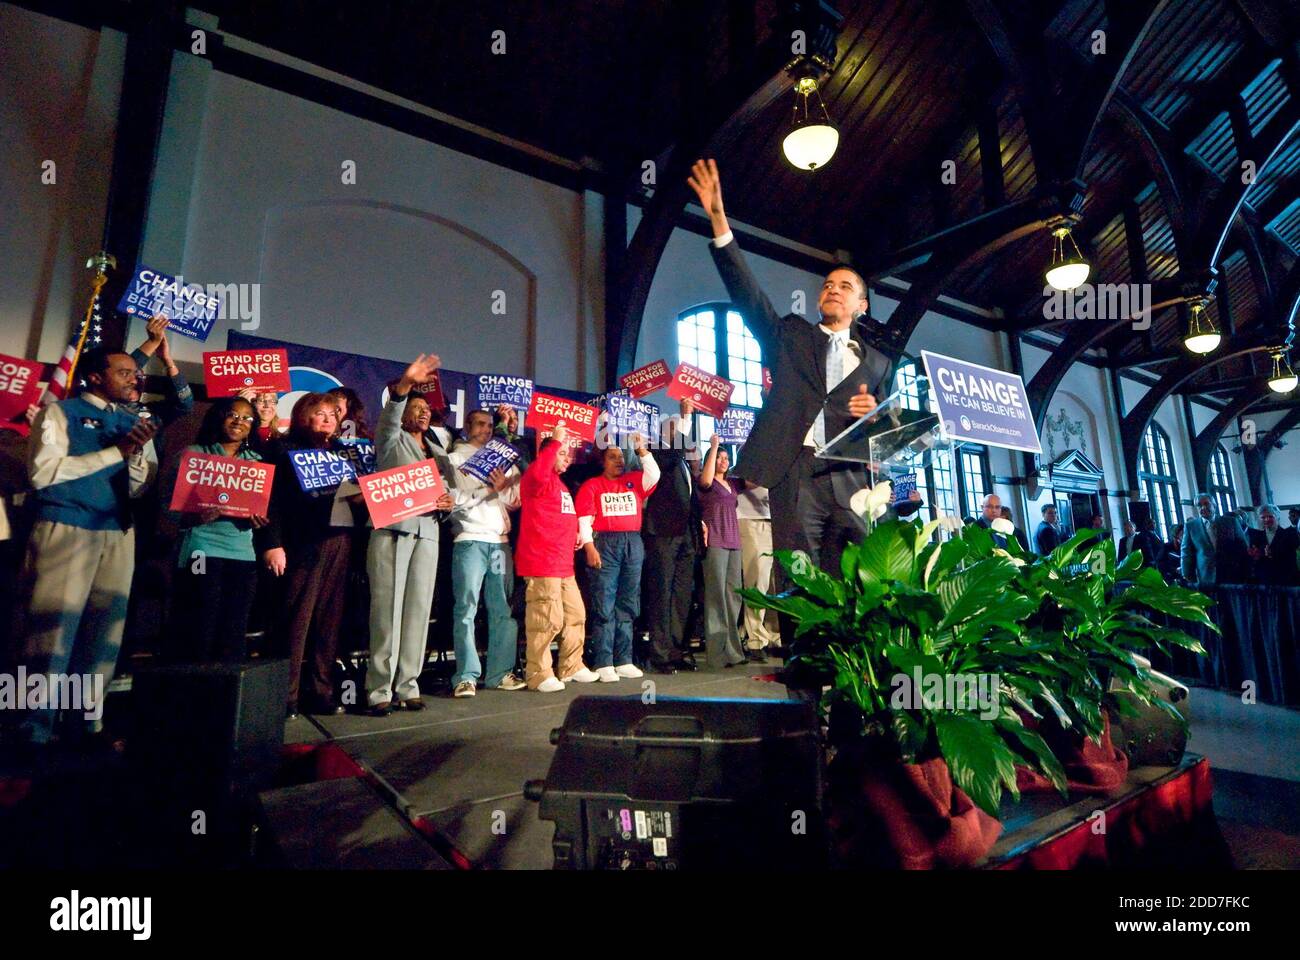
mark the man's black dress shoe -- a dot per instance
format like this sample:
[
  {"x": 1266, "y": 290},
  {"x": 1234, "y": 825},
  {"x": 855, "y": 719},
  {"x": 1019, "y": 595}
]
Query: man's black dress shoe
[
  {"x": 664, "y": 668},
  {"x": 755, "y": 656},
  {"x": 686, "y": 663}
]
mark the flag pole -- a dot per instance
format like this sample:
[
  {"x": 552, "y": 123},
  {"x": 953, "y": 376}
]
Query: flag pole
[{"x": 101, "y": 262}]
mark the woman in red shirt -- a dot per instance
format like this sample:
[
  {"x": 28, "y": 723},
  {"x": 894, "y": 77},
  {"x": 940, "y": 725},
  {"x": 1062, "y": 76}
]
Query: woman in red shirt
[
  {"x": 548, "y": 537},
  {"x": 609, "y": 509}
]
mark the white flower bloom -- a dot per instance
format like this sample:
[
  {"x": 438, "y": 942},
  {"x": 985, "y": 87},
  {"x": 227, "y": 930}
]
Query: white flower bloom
[
  {"x": 998, "y": 551},
  {"x": 950, "y": 523},
  {"x": 1003, "y": 525},
  {"x": 872, "y": 502}
]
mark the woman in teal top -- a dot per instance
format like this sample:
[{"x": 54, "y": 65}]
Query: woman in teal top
[{"x": 217, "y": 575}]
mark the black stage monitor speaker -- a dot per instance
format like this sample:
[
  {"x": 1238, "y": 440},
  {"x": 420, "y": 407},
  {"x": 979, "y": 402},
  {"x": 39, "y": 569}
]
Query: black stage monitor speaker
[
  {"x": 211, "y": 726},
  {"x": 685, "y": 784}
]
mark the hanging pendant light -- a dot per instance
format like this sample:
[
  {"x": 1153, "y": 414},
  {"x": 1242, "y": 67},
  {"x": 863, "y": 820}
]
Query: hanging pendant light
[
  {"x": 1066, "y": 271},
  {"x": 1202, "y": 335},
  {"x": 812, "y": 142},
  {"x": 1283, "y": 379}
]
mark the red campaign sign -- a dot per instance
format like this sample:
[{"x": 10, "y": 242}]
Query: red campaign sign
[
  {"x": 767, "y": 379},
  {"x": 432, "y": 393},
  {"x": 574, "y": 442},
  {"x": 238, "y": 488},
  {"x": 709, "y": 393},
  {"x": 546, "y": 411},
  {"x": 19, "y": 386},
  {"x": 227, "y": 372},
  {"x": 403, "y": 492},
  {"x": 646, "y": 380}
]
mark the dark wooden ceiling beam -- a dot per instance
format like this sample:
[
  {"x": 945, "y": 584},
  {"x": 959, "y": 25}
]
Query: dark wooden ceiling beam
[
  {"x": 1134, "y": 424},
  {"x": 1205, "y": 442}
]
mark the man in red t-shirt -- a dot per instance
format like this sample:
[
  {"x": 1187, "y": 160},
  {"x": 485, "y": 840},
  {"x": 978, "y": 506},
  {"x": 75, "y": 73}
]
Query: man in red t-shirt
[
  {"x": 609, "y": 506},
  {"x": 548, "y": 537}
]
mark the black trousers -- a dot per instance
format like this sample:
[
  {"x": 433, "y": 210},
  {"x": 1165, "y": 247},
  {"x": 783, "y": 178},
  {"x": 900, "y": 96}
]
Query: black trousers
[
  {"x": 210, "y": 610},
  {"x": 668, "y": 581},
  {"x": 806, "y": 516}
]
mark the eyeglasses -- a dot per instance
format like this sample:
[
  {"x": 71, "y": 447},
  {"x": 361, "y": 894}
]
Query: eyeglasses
[{"x": 239, "y": 417}]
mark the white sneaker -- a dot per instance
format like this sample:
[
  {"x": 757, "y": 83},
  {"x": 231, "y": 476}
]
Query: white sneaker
[
  {"x": 628, "y": 671},
  {"x": 607, "y": 674},
  {"x": 550, "y": 685},
  {"x": 464, "y": 689},
  {"x": 582, "y": 676}
]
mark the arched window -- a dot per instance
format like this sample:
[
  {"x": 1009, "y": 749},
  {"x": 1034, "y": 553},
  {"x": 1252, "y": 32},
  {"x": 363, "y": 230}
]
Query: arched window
[
  {"x": 1158, "y": 480},
  {"x": 714, "y": 337},
  {"x": 1221, "y": 481}
]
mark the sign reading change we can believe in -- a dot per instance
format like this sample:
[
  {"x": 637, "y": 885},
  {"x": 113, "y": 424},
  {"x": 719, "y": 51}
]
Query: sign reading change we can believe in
[{"x": 981, "y": 405}]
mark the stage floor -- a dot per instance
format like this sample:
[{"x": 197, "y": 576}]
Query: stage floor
[{"x": 462, "y": 764}]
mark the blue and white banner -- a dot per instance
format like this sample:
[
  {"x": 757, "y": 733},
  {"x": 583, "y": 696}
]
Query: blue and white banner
[
  {"x": 980, "y": 404},
  {"x": 189, "y": 309},
  {"x": 319, "y": 369},
  {"x": 735, "y": 424},
  {"x": 494, "y": 455}
]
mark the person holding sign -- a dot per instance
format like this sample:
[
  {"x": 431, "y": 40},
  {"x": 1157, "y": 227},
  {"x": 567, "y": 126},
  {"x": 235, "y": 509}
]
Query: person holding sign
[
  {"x": 481, "y": 563},
  {"x": 718, "y": 500},
  {"x": 89, "y": 457},
  {"x": 825, "y": 376},
  {"x": 301, "y": 546},
  {"x": 402, "y": 559},
  {"x": 609, "y": 518},
  {"x": 217, "y": 567},
  {"x": 548, "y": 538}
]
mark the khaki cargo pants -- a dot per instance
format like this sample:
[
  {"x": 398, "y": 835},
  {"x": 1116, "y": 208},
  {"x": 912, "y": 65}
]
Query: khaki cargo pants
[{"x": 554, "y": 606}]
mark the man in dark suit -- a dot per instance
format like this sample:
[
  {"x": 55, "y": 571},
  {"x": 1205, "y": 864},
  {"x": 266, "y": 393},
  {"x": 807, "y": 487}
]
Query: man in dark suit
[
  {"x": 1273, "y": 549},
  {"x": 1048, "y": 535},
  {"x": 670, "y": 529},
  {"x": 1019, "y": 534},
  {"x": 1128, "y": 540},
  {"x": 824, "y": 377}
]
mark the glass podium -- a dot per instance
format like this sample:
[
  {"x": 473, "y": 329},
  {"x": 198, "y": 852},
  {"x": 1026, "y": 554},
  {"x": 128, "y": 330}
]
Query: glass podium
[{"x": 893, "y": 440}]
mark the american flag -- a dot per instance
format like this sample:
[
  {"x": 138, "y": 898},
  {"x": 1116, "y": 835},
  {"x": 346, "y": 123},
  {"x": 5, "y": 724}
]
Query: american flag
[{"x": 58, "y": 385}]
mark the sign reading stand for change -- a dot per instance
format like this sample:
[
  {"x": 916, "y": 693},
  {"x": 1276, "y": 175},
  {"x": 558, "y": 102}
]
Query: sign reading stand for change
[
  {"x": 979, "y": 404},
  {"x": 646, "y": 380},
  {"x": 546, "y": 411},
  {"x": 708, "y": 392},
  {"x": 403, "y": 492},
  {"x": 228, "y": 372},
  {"x": 19, "y": 386},
  {"x": 236, "y": 487}
]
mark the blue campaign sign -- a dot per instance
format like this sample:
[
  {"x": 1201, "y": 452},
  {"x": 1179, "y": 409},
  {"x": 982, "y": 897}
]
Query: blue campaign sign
[
  {"x": 495, "y": 389},
  {"x": 360, "y": 454},
  {"x": 628, "y": 416},
  {"x": 735, "y": 424},
  {"x": 321, "y": 470},
  {"x": 904, "y": 486},
  {"x": 494, "y": 455},
  {"x": 191, "y": 311},
  {"x": 980, "y": 404}
]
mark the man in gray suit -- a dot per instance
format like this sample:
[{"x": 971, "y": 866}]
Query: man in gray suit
[
  {"x": 402, "y": 560},
  {"x": 1214, "y": 548}
]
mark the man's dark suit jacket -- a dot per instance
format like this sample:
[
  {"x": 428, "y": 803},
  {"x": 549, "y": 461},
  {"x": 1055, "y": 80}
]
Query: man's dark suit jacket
[
  {"x": 795, "y": 351},
  {"x": 672, "y": 510},
  {"x": 1276, "y": 565},
  {"x": 1046, "y": 538}
]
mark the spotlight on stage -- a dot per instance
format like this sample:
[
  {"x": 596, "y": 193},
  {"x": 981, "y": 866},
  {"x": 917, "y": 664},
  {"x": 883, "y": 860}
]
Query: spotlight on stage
[
  {"x": 685, "y": 784},
  {"x": 812, "y": 142},
  {"x": 1283, "y": 379},
  {"x": 1067, "y": 270},
  {"x": 1202, "y": 335}
]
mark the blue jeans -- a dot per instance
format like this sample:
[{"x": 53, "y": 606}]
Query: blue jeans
[
  {"x": 615, "y": 597},
  {"x": 482, "y": 567}
]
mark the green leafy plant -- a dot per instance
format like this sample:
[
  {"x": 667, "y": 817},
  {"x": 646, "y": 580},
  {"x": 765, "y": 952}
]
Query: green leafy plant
[{"x": 904, "y": 606}]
